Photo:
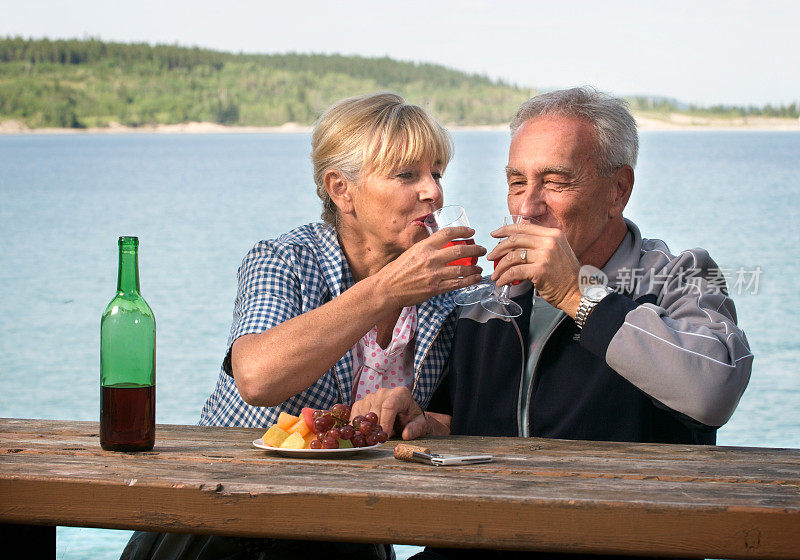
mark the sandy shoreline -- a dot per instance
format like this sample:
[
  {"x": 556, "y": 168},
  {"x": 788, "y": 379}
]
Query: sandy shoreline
[
  {"x": 673, "y": 121},
  {"x": 15, "y": 127},
  {"x": 679, "y": 121}
]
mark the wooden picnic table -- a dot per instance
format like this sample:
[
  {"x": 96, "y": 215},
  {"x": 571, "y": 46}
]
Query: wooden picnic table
[{"x": 538, "y": 494}]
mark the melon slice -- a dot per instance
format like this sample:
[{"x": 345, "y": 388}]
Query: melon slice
[
  {"x": 286, "y": 421},
  {"x": 300, "y": 427},
  {"x": 274, "y": 436},
  {"x": 294, "y": 441}
]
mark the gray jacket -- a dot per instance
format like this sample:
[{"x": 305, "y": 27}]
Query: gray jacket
[
  {"x": 684, "y": 349},
  {"x": 671, "y": 333}
]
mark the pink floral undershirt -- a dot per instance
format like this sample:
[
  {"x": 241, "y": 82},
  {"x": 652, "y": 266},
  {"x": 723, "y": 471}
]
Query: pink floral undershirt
[{"x": 393, "y": 366}]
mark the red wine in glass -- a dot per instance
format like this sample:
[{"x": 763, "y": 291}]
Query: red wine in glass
[
  {"x": 450, "y": 216},
  {"x": 466, "y": 261},
  {"x": 515, "y": 282}
]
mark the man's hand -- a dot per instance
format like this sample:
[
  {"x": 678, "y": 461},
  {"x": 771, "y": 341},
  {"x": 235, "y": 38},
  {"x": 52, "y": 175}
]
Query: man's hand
[
  {"x": 549, "y": 263},
  {"x": 398, "y": 413}
]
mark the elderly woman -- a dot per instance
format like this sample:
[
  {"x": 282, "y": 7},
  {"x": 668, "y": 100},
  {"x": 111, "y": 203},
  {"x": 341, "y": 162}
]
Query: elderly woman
[
  {"x": 343, "y": 310},
  {"x": 316, "y": 307}
]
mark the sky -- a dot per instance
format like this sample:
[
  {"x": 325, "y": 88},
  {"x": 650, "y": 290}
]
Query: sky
[{"x": 701, "y": 51}]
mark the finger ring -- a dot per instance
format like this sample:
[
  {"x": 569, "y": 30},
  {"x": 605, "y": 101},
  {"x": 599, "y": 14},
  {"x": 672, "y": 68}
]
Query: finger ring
[{"x": 524, "y": 255}]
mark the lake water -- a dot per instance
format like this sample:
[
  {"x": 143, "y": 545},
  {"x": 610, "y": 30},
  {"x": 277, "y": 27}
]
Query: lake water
[{"x": 199, "y": 202}]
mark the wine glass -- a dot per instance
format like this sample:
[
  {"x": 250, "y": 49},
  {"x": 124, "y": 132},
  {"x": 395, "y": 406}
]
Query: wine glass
[
  {"x": 499, "y": 303},
  {"x": 453, "y": 216},
  {"x": 475, "y": 293}
]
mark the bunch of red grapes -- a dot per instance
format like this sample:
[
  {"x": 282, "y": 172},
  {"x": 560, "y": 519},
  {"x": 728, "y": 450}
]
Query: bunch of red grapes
[{"x": 332, "y": 426}]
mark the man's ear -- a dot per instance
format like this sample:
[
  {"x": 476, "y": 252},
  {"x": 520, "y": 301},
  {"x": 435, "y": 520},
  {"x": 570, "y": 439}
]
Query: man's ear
[
  {"x": 340, "y": 190},
  {"x": 622, "y": 188}
]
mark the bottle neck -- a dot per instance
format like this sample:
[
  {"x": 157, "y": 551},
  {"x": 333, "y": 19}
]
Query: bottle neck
[{"x": 128, "y": 276}]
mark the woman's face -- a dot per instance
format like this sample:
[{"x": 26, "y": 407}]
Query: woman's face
[{"x": 389, "y": 208}]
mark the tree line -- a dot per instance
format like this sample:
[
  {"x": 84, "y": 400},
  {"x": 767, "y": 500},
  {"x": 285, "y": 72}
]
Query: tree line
[
  {"x": 665, "y": 105},
  {"x": 88, "y": 82},
  {"x": 78, "y": 83}
]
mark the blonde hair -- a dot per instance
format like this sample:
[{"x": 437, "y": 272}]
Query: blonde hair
[{"x": 373, "y": 133}]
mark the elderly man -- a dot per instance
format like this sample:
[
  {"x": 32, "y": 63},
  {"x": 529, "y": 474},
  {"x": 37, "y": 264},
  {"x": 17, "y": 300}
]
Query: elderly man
[{"x": 658, "y": 358}]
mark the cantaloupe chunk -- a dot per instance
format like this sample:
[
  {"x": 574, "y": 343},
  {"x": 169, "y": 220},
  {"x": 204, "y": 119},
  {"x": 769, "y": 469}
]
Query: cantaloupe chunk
[
  {"x": 309, "y": 437},
  {"x": 274, "y": 436},
  {"x": 300, "y": 427},
  {"x": 286, "y": 421},
  {"x": 294, "y": 441}
]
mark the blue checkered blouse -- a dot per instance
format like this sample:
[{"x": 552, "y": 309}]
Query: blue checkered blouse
[{"x": 300, "y": 271}]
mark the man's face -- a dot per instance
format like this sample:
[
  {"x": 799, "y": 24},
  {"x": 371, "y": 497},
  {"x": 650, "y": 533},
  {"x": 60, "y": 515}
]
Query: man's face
[{"x": 552, "y": 177}]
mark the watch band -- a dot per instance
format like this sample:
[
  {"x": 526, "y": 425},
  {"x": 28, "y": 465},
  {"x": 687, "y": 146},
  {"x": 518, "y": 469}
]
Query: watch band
[{"x": 585, "y": 307}]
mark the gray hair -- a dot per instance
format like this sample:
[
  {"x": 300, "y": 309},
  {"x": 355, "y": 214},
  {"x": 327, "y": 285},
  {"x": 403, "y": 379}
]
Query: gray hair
[{"x": 615, "y": 127}]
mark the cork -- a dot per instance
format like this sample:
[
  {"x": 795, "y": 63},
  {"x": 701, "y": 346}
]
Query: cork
[{"x": 405, "y": 452}]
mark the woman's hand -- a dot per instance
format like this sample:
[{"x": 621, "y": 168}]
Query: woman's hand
[
  {"x": 549, "y": 263},
  {"x": 399, "y": 413},
  {"x": 422, "y": 271}
]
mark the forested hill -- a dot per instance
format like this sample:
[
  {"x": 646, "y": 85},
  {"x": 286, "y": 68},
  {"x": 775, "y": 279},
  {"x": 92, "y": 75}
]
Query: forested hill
[
  {"x": 91, "y": 83},
  {"x": 81, "y": 83}
]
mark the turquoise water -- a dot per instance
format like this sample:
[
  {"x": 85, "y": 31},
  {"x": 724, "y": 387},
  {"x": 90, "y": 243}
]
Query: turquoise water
[{"x": 199, "y": 202}]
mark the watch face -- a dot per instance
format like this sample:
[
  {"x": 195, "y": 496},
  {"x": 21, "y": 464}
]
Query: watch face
[{"x": 596, "y": 293}]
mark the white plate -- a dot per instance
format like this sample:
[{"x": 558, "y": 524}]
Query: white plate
[{"x": 315, "y": 453}]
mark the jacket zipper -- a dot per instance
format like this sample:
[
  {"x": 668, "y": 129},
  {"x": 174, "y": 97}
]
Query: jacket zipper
[
  {"x": 524, "y": 421},
  {"x": 522, "y": 372}
]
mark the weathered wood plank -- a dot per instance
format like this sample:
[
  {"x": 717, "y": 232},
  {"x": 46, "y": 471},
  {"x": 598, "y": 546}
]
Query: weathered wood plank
[
  {"x": 262, "y": 473},
  {"x": 540, "y": 494},
  {"x": 232, "y": 438},
  {"x": 740, "y": 533},
  {"x": 543, "y": 457},
  {"x": 333, "y": 478}
]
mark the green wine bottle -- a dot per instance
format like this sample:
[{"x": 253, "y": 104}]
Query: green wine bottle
[{"x": 128, "y": 361}]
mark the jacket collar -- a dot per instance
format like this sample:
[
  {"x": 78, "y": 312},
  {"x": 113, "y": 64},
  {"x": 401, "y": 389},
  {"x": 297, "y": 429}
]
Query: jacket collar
[{"x": 626, "y": 258}]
